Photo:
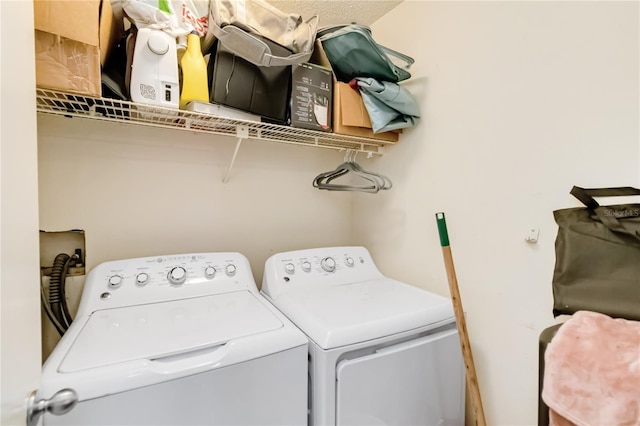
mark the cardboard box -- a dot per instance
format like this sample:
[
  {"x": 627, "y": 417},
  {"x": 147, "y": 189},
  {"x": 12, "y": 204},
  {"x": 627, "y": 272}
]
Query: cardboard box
[
  {"x": 72, "y": 40},
  {"x": 311, "y": 97},
  {"x": 350, "y": 116}
]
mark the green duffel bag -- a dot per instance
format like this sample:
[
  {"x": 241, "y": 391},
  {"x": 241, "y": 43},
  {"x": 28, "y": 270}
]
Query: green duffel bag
[
  {"x": 598, "y": 256},
  {"x": 353, "y": 52}
]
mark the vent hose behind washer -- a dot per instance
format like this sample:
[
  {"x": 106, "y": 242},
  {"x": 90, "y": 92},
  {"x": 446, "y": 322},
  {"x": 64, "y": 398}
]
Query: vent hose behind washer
[{"x": 57, "y": 293}]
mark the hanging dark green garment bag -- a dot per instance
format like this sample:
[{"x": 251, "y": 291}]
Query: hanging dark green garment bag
[{"x": 598, "y": 256}]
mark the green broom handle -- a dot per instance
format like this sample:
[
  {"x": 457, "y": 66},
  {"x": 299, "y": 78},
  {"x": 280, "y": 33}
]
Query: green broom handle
[
  {"x": 442, "y": 229},
  {"x": 471, "y": 375}
]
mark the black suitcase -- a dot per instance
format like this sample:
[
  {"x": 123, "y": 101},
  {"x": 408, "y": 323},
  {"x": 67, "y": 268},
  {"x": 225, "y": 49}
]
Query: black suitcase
[{"x": 237, "y": 83}]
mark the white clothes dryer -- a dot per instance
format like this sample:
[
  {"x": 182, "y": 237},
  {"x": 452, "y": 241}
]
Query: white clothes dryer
[
  {"x": 381, "y": 352},
  {"x": 178, "y": 340}
]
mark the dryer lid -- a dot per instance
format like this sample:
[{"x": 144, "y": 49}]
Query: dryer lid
[
  {"x": 334, "y": 316},
  {"x": 158, "y": 330}
]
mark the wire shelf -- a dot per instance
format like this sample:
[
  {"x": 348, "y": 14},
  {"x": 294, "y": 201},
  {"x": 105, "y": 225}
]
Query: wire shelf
[{"x": 72, "y": 105}]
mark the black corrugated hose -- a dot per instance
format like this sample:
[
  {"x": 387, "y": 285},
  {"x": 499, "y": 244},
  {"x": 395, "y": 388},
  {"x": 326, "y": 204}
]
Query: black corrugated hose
[{"x": 57, "y": 293}]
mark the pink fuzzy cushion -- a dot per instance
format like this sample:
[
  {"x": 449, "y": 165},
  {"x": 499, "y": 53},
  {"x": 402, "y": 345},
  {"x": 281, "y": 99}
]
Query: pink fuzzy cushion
[{"x": 592, "y": 372}]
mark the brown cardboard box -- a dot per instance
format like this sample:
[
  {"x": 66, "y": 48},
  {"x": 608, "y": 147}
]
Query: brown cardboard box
[
  {"x": 72, "y": 40},
  {"x": 350, "y": 116}
]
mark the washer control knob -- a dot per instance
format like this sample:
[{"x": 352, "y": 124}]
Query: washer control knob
[
  {"x": 142, "y": 278},
  {"x": 328, "y": 264},
  {"x": 177, "y": 275},
  {"x": 230, "y": 269},
  {"x": 306, "y": 266},
  {"x": 115, "y": 281},
  {"x": 289, "y": 268},
  {"x": 209, "y": 272}
]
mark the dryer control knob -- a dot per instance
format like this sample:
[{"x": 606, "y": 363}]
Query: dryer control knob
[
  {"x": 115, "y": 281},
  {"x": 142, "y": 278},
  {"x": 177, "y": 275},
  {"x": 209, "y": 272},
  {"x": 328, "y": 264},
  {"x": 230, "y": 269},
  {"x": 306, "y": 266},
  {"x": 349, "y": 261},
  {"x": 289, "y": 268}
]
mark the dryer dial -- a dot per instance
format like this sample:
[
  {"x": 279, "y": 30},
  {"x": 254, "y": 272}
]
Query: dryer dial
[
  {"x": 177, "y": 275},
  {"x": 289, "y": 268},
  {"x": 328, "y": 264}
]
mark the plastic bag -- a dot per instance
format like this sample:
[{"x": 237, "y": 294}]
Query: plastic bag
[{"x": 175, "y": 17}]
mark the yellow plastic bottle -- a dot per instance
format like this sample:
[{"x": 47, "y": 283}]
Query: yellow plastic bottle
[{"x": 194, "y": 73}]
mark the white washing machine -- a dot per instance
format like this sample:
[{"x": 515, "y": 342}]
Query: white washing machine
[
  {"x": 178, "y": 340},
  {"x": 381, "y": 352}
]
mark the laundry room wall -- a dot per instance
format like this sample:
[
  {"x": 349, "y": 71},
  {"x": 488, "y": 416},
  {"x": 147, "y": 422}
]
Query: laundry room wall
[
  {"x": 520, "y": 101},
  {"x": 140, "y": 191}
]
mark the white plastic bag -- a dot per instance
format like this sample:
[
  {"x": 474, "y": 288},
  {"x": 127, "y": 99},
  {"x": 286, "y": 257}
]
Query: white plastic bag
[{"x": 175, "y": 17}]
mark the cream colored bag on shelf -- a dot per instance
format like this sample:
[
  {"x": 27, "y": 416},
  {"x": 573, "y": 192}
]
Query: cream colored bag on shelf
[{"x": 236, "y": 23}]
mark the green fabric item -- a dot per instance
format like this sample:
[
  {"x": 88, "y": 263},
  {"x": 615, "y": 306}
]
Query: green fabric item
[
  {"x": 597, "y": 248},
  {"x": 353, "y": 52}
]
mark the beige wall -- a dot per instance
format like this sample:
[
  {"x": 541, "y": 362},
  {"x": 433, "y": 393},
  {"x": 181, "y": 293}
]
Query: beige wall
[
  {"x": 140, "y": 191},
  {"x": 520, "y": 101},
  {"x": 19, "y": 275}
]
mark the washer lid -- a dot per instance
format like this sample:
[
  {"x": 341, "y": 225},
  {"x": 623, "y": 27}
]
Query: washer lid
[
  {"x": 159, "y": 330},
  {"x": 334, "y": 316}
]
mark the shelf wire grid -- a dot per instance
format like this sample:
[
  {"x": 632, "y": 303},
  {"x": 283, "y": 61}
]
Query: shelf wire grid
[{"x": 105, "y": 109}]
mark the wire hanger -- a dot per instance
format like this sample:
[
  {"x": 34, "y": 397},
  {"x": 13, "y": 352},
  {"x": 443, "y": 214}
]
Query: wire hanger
[{"x": 372, "y": 182}]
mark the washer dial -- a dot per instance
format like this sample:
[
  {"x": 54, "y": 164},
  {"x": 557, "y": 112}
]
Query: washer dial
[
  {"x": 177, "y": 275},
  {"x": 115, "y": 281},
  {"x": 209, "y": 272},
  {"x": 306, "y": 266},
  {"x": 328, "y": 264},
  {"x": 230, "y": 269},
  {"x": 142, "y": 278},
  {"x": 349, "y": 261}
]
